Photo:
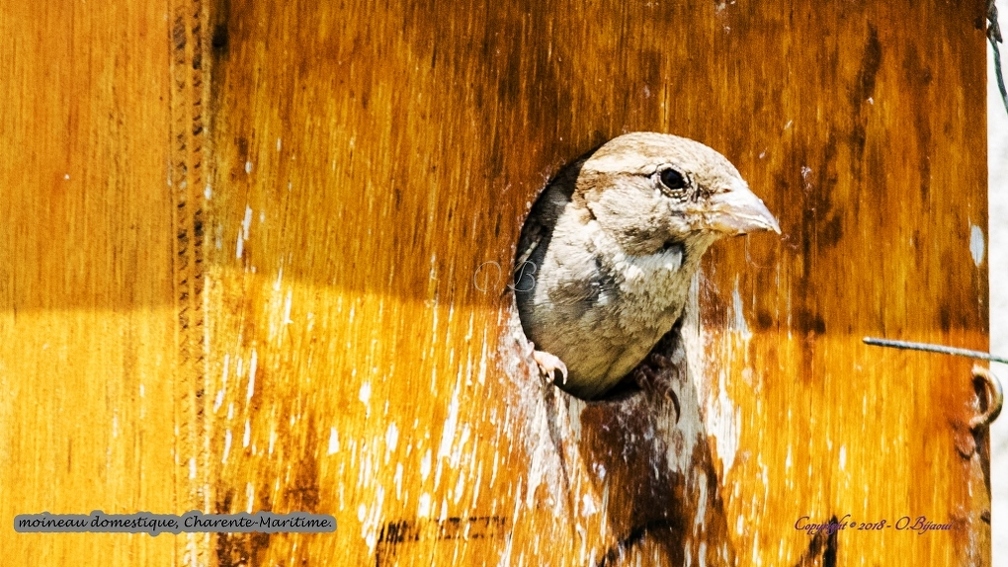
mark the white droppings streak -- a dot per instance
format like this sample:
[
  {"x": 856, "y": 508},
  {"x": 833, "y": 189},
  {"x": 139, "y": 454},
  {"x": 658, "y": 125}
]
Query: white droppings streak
[
  {"x": 806, "y": 171},
  {"x": 459, "y": 488},
  {"x": 333, "y": 441},
  {"x": 247, "y": 222},
  {"x": 364, "y": 395},
  {"x": 192, "y": 468},
  {"x": 279, "y": 145},
  {"x": 369, "y": 527},
  {"x": 219, "y": 400},
  {"x": 391, "y": 439},
  {"x": 738, "y": 317},
  {"x": 977, "y": 246},
  {"x": 450, "y": 424},
  {"x": 252, "y": 373},
  {"x": 287, "y": 308},
  {"x": 249, "y": 497},
  {"x": 239, "y": 246},
  {"x": 843, "y": 457},
  {"x": 207, "y": 192},
  {"x": 425, "y": 465},
  {"x": 424, "y": 505},
  {"x": 247, "y": 436},
  {"x": 397, "y": 479},
  {"x": 248, "y": 167},
  {"x": 227, "y": 446}
]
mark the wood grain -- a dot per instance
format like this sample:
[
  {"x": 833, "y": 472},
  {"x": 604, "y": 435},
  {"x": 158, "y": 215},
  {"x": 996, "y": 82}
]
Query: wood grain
[
  {"x": 380, "y": 158},
  {"x": 327, "y": 198},
  {"x": 88, "y": 357}
]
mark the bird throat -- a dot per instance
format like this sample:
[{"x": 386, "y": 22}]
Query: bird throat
[{"x": 672, "y": 247}]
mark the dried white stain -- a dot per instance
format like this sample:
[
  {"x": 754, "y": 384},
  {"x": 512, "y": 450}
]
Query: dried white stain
[
  {"x": 699, "y": 483},
  {"x": 246, "y": 222},
  {"x": 248, "y": 167},
  {"x": 977, "y": 247},
  {"x": 739, "y": 323},
  {"x": 219, "y": 399},
  {"x": 364, "y": 395},
  {"x": 252, "y": 373},
  {"x": 424, "y": 505},
  {"x": 287, "y": 308},
  {"x": 459, "y": 489},
  {"x": 397, "y": 480},
  {"x": 247, "y": 436},
  {"x": 249, "y": 497},
  {"x": 806, "y": 171},
  {"x": 227, "y": 446},
  {"x": 725, "y": 423},
  {"x": 450, "y": 424},
  {"x": 425, "y": 465},
  {"x": 239, "y": 246},
  {"x": 843, "y": 457},
  {"x": 334, "y": 444},
  {"x": 391, "y": 439}
]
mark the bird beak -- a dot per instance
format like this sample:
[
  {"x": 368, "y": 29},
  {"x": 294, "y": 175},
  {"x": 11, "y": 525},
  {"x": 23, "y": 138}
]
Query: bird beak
[{"x": 738, "y": 211}]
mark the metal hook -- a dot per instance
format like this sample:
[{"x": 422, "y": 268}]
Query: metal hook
[
  {"x": 991, "y": 384},
  {"x": 995, "y": 397}
]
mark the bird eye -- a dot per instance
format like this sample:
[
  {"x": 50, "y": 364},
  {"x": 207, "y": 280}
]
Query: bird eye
[{"x": 673, "y": 181}]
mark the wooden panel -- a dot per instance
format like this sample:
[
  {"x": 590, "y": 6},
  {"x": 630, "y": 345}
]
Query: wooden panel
[
  {"x": 373, "y": 167},
  {"x": 87, "y": 310},
  {"x": 314, "y": 296}
]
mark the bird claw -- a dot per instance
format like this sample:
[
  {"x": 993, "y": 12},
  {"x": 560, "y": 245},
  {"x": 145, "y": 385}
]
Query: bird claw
[{"x": 549, "y": 364}]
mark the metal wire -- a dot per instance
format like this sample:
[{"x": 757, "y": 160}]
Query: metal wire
[
  {"x": 994, "y": 37},
  {"x": 979, "y": 354}
]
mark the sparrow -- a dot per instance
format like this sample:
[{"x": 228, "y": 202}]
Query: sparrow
[{"x": 607, "y": 253}]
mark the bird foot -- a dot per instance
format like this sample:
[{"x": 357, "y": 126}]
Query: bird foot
[{"x": 549, "y": 364}]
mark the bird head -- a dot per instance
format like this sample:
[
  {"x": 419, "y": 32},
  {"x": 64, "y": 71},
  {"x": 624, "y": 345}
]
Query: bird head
[{"x": 650, "y": 191}]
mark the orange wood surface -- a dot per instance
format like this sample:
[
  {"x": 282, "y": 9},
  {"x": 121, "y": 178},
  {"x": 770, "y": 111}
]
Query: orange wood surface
[
  {"x": 276, "y": 279},
  {"x": 88, "y": 362}
]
